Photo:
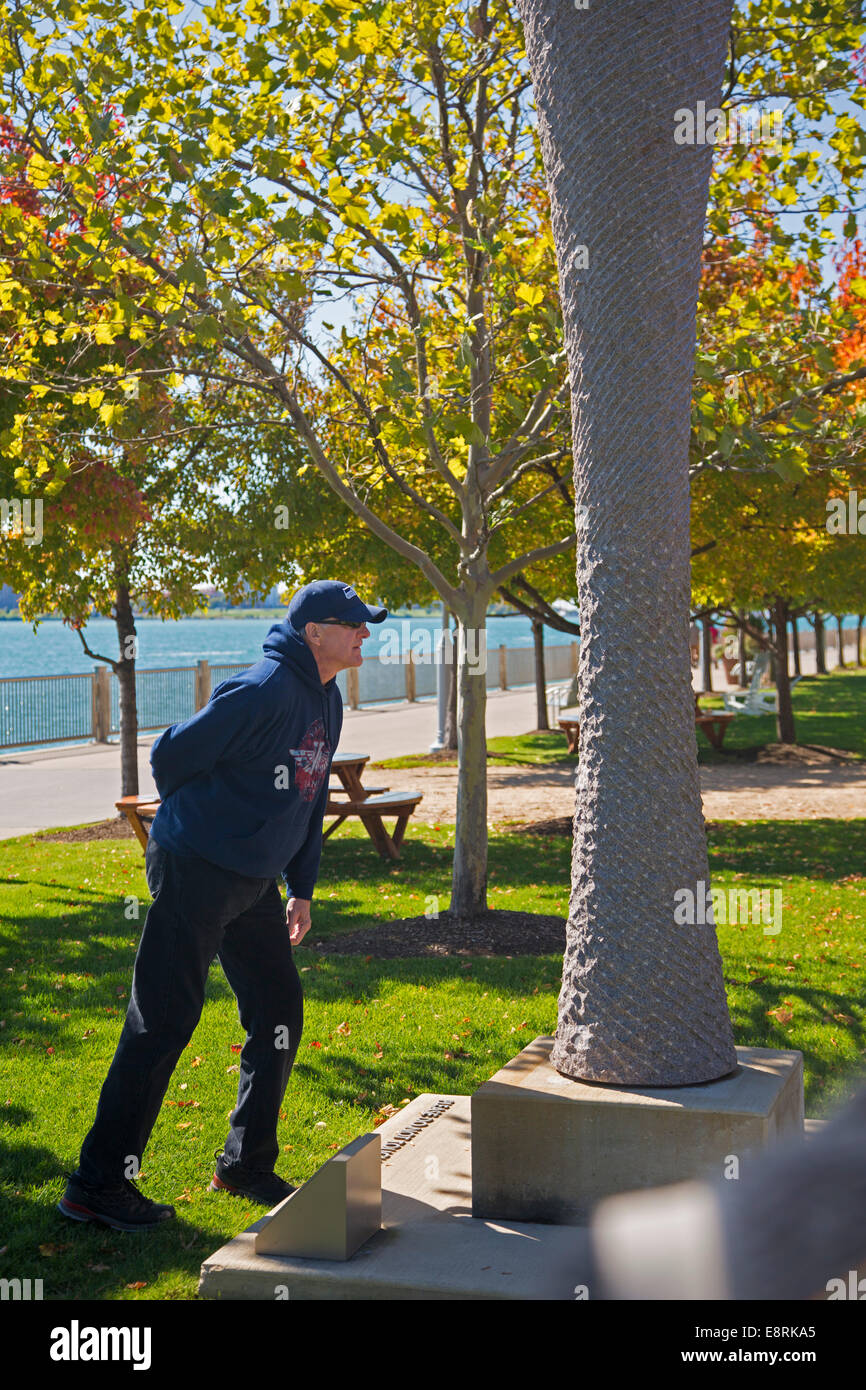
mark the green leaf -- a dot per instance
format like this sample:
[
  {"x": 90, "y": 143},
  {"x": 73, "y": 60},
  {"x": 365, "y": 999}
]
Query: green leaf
[
  {"x": 465, "y": 355},
  {"x": 192, "y": 272}
]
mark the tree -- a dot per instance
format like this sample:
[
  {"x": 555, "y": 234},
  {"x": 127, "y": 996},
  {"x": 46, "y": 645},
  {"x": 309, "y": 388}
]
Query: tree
[
  {"x": 283, "y": 159},
  {"x": 643, "y": 998}
]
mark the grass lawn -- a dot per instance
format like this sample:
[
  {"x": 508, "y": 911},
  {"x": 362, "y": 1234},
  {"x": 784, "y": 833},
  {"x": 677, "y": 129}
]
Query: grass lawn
[
  {"x": 828, "y": 710},
  {"x": 376, "y": 1033}
]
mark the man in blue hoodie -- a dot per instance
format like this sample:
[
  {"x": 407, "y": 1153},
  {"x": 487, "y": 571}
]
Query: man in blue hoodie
[{"x": 244, "y": 784}]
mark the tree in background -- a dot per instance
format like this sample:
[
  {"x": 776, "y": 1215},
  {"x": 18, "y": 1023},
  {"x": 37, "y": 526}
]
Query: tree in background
[{"x": 298, "y": 159}]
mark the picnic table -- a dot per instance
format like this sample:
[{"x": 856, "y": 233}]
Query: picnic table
[
  {"x": 369, "y": 804},
  {"x": 714, "y": 723},
  {"x": 569, "y": 723},
  {"x": 347, "y": 798}
]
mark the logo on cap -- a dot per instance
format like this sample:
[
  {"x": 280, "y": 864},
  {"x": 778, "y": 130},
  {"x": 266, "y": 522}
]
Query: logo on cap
[{"x": 349, "y": 591}]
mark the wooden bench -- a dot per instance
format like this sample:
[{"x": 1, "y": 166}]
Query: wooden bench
[
  {"x": 713, "y": 723},
  {"x": 139, "y": 811},
  {"x": 370, "y": 810},
  {"x": 569, "y": 723}
]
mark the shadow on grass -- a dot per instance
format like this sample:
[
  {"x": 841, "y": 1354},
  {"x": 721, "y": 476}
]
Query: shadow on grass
[{"x": 827, "y": 849}]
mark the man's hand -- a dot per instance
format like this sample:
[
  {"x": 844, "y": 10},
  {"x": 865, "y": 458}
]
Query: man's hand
[{"x": 298, "y": 919}]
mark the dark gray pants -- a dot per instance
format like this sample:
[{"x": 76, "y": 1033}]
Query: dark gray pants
[{"x": 200, "y": 911}]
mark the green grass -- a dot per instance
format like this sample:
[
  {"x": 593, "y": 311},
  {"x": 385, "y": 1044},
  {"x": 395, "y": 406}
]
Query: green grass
[
  {"x": 828, "y": 710},
  {"x": 376, "y": 1031},
  {"x": 509, "y": 750}
]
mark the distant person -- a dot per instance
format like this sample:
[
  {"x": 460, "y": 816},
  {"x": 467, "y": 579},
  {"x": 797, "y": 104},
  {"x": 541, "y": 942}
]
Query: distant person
[
  {"x": 244, "y": 784},
  {"x": 695, "y": 643}
]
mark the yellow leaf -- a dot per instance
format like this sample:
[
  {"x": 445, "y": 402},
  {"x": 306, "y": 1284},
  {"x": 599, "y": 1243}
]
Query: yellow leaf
[
  {"x": 95, "y": 397},
  {"x": 49, "y": 337},
  {"x": 103, "y": 333},
  {"x": 366, "y": 35},
  {"x": 532, "y": 294}
]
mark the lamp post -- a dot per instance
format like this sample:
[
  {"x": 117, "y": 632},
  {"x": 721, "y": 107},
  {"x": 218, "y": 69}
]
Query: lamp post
[{"x": 442, "y": 684}]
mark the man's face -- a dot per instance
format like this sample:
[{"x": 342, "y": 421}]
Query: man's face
[{"x": 337, "y": 647}]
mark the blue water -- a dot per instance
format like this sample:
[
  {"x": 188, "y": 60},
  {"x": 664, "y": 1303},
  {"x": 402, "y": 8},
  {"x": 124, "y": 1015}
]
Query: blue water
[{"x": 54, "y": 650}]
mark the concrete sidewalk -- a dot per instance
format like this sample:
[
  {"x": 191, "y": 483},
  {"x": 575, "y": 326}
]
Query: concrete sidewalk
[{"x": 79, "y": 784}]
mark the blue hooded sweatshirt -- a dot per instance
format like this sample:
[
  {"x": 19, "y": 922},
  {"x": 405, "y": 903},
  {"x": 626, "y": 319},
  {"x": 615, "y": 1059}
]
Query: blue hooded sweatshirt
[{"x": 244, "y": 782}]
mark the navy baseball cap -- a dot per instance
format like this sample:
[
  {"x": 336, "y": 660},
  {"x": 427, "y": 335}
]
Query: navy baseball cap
[{"x": 329, "y": 598}]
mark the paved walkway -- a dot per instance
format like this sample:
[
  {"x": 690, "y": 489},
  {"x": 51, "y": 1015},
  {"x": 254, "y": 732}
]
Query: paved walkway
[
  {"x": 79, "y": 784},
  {"x": 75, "y": 785}
]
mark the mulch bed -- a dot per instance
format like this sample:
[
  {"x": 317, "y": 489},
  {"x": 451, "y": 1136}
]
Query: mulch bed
[
  {"x": 491, "y": 933},
  {"x": 808, "y": 753},
  {"x": 118, "y": 828}
]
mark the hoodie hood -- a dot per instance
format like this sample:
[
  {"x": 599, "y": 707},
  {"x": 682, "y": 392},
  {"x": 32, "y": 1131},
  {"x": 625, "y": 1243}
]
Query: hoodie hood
[{"x": 287, "y": 646}]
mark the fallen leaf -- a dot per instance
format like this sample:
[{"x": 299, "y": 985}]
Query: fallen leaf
[
  {"x": 196, "y": 1062},
  {"x": 184, "y": 1124},
  {"x": 344, "y": 1029},
  {"x": 781, "y": 1015},
  {"x": 141, "y": 1284},
  {"x": 315, "y": 1044},
  {"x": 51, "y": 1248},
  {"x": 234, "y": 1068},
  {"x": 237, "y": 1047}
]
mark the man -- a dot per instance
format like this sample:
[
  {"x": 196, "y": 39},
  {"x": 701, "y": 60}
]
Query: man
[{"x": 244, "y": 784}]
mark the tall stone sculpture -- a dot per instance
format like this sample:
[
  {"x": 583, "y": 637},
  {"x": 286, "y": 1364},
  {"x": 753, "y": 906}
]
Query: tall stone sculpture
[{"x": 642, "y": 998}]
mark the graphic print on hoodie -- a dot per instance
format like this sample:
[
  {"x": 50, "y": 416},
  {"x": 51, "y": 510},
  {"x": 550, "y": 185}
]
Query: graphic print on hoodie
[
  {"x": 312, "y": 761},
  {"x": 244, "y": 782}
]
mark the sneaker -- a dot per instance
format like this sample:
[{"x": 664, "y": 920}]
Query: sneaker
[
  {"x": 268, "y": 1189},
  {"x": 121, "y": 1207}
]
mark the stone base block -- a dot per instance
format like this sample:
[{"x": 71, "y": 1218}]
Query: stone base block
[
  {"x": 547, "y": 1148},
  {"x": 428, "y": 1248}
]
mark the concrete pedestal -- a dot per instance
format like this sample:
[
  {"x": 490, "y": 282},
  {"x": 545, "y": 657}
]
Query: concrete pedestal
[
  {"x": 429, "y": 1246},
  {"x": 547, "y": 1148}
]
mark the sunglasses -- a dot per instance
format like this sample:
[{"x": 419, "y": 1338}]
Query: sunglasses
[{"x": 338, "y": 622}]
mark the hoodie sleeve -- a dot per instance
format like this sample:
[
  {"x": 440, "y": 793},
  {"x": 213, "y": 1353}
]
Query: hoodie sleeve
[
  {"x": 302, "y": 870},
  {"x": 195, "y": 745}
]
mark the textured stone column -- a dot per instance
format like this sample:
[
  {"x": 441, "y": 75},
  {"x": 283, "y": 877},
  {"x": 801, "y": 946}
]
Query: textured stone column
[{"x": 642, "y": 998}]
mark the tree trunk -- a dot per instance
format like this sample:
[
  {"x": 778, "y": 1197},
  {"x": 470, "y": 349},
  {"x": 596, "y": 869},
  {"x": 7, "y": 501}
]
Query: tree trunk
[
  {"x": 741, "y": 652},
  {"x": 820, "y": 650},
  {"x": 643, "y": 999},
  {"x": 125, "y": 668},
  {"x": 540, "y": 682},
  {"x": 860, "y": 617},
  {"x": 795, "y": 643},
  {"x": 469, "y": 881},
  {"x": 785, "y": 716},
  {"x": 841, "y": 660},
  {"x": 707, "y": 655}
]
